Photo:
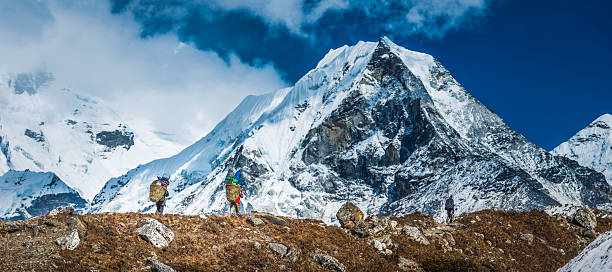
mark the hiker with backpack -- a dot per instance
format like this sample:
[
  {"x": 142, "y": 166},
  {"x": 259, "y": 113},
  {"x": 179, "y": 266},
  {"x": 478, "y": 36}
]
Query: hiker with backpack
[
  {"x": 233, "y": 192},
  {"x": 449, "y": 206},
  {"x": 158, "y": 191}
]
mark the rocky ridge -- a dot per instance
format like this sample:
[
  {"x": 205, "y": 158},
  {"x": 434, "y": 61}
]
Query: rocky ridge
[{"x": 487, "y": 240}]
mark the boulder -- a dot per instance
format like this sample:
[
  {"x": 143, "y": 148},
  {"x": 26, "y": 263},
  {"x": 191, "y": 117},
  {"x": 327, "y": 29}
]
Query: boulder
[
  {"x": 360, "y": 229},
  {"x": 278, "y": 248},
  {"x": 61, "y": 210},
  {"x": 255, "y": 221},
  {"x": 349, "y": 215},
  {"x": 415, "y": 234},
  {"x": 274, "y": 219},
  {"x": 585, "y": 218},
  {"x": 155, "y": 232},
  {"x": 293, "y": 255},
  {"x": 11, "y": 227},
  {"x": 70, "y": 241},
  {"x": 77, "y": 224},
  {"x": 330, "y": 263}
]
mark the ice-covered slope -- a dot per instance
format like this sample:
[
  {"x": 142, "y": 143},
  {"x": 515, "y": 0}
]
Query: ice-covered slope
[
  {"x": 45, "y": 128},
  {"x": 591, "y": 147},
  {"x": 597, "y": 256},
  {"x": 26, "y": 194},
  {"x": 376, "y": 124}
]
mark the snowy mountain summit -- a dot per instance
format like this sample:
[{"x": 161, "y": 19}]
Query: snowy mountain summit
[
  {"x": 592, "y": 146},
  {"x": 384, "y": 127}
]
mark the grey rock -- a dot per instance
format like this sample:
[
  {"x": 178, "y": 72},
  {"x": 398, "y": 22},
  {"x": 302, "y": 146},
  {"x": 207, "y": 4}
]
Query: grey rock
[
  {"x": 70, "y": 241},
  {"x": 155, "y": 232},
  {"x": 278, "y": 248},
  {"x": 77, "y": 224},
  {"x": 12, "y": 227},
  {"x": 408, "y": 265},
  {"x": 62, "y": 210},
  {"x": 415, "y": 234},
  {"x": 157, "y": 266},
  {"x": 330, "y": 263},
  {"x": 349, "y": 215},
  {"x": 293, "y": 255},
  {"x": 274, "y": 219},
  {"x": 255, "y": 221},
  {"x": 585, "y": 218},
  {"x": 526, "y": 237},
  {"x": 360, "y": 229},
  {"x": 51, "y": 222},
  {"x": 378, "y": 245}
]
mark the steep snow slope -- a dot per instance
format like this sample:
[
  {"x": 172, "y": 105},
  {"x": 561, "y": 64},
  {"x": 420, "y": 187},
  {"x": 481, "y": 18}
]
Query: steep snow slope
[
  {"x": 595, "y": 257},
  {"x": 376, "y": 124},
  {"x": 45, "y": 128},
  {"x": 591, "y": 147},
  {"x": 26, "y": 194}
]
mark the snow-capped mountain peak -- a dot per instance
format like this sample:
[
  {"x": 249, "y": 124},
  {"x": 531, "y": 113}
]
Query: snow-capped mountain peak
[
  {"x": 592, "y": 146},
  {"x": 387, "y": 128}
]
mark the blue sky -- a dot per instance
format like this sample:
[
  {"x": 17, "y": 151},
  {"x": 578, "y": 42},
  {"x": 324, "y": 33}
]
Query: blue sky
[{"x": 543, "y": 66}]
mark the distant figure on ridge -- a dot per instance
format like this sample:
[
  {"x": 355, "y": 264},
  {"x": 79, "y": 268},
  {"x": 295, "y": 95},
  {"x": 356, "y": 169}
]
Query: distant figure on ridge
[
  {"x": 449, "y": 206},
  {"x": 158, "y": 191},
  {"x": 233, "y": 192}
]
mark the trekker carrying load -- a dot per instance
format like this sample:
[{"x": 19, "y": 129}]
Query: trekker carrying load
[
  {"x": 158, "y": 191},
  {"x": 449, "y": 206},
  {"x": 233, "y": 192}
]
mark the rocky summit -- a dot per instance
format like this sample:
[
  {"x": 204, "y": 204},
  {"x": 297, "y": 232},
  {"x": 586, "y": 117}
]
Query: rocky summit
[{"x": 487, "y": 240}]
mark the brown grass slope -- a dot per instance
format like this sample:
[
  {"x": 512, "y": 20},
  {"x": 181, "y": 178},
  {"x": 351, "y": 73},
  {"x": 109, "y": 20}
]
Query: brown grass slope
[{"x": 483, "y": 241}]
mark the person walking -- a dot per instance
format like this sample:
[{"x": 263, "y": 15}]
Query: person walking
[
  {"x": 233, "y": 191},
  {"x": 158, "y": 192},
  {"x": 449, "y": 206}
]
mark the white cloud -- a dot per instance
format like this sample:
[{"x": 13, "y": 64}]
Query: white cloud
[
  {"x": 430, "y": 18},
  {"x": 157, "y": 82}
]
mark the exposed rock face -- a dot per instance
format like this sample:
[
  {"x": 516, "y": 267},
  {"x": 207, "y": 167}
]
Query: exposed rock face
[
  {"x": 330, "y": 263},
  {"x": 155, "y": 232},
  {"x": 113, "y": 139},
  {"x": 69, "y": 241},
  {"x": 349, "y": 215},
  {"x": 36, "y": 136},
  {"x": 30, "y": 83}
]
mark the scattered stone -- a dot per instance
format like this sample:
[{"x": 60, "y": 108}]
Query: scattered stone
[
  {"x": 155, "y": 232},
  {"x": 157, "y": 266},
  {"x": 293, "y": 255},
  {"x": 70, "y": 241},
  {"x": 378, "y": 245},
  {"x": 257, "y": 245},
  {"x": 255, "y": 221},
  {"x": 349, "y": 215},
  {"x": 329, "y": 262},
  {"x": 62, "y": 210},
  {"x": 527, "y": 237},
  {"x": 480, "y": 235},
  {"x": 559, "y": 250},
  {"x": 360, "y": 229},
  {"x": 415, "y": 235},
  {"x": 409, "y": 265},
  {"x": 95, "y": 247},
  {"x": 28, "y": 245},
  {"x": 278, "y": 248},
  {"x": 274, "y": 219}
]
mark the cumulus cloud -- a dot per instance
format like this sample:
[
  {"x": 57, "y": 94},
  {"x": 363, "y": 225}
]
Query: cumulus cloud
[{"x": 157, "y": 82}]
